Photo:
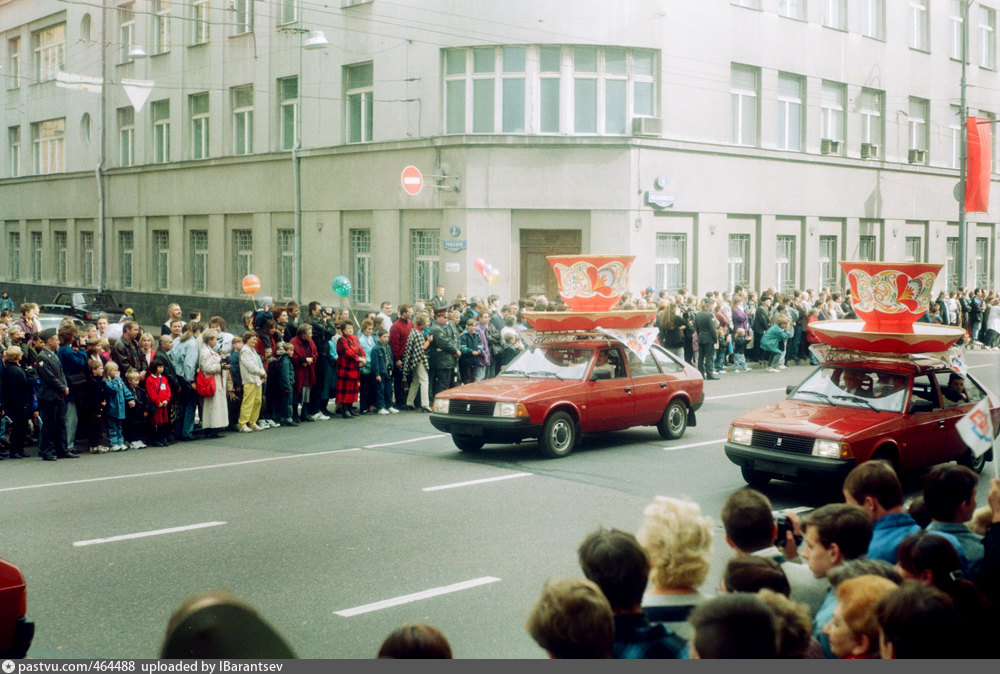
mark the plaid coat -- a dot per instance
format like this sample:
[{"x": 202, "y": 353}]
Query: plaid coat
[{"x": 349, "y": 350}]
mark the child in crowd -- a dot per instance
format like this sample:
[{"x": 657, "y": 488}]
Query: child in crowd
[
  {"x": 91, "y": 405},
  {"x": 104, "y": 350},
  {"x": 382, "y": 371},
  {"x": 286, "y": 385},
  {"x": 253, "y": 374},
  {"x": 510, "y": 348},
  {"x": 471, "y": 348},
  {"x": 135, "y": 415},
  {"x": 234, "y": 385},
  {"x": 740, "y": 351},
  {"x": 119, "y": 399},
  {"x": 158, "y": 397}
]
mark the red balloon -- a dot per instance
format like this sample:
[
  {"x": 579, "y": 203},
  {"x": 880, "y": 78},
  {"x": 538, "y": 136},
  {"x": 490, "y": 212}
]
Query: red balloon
[{"x": 480, "y": 264}]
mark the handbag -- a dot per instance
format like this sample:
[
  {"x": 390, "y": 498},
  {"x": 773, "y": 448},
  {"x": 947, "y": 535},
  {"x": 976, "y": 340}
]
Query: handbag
[
  {"x": 76, "y": 379},
  {"x": 204, "y": 385}
]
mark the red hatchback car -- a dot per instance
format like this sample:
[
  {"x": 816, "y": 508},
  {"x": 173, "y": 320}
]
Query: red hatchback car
[
  {"x": 564, "y": 386},
  {"x": 15, "y": 631},
  {"x": 858, "y": 407}
]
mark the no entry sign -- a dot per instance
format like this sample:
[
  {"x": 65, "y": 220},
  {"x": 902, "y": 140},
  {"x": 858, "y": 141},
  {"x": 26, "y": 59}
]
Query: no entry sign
[{"x": 413, "y": 181}]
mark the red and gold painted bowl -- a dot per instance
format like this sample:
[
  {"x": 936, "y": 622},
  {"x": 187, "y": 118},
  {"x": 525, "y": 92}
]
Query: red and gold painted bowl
[
  {"x": 591, "y": 282},
  {"x": 890, "y": 296},
  {"x": 586, "y": 321},
  {"x": 919, "y": 338}
]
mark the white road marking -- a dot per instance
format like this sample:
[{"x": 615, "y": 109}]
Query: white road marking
[
  {"x": 144, "y": 534},
  {"x": 471, "y": 482},
  {"x": 416, "y": 596},
  {"x": 694, "y": 444},
  {"x": 403, "y": 442},
  {"x": 748, "y": 393}
]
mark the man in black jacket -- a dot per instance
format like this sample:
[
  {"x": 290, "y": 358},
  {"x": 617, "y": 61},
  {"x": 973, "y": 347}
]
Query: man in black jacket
[
  {"x": 761, "y": 322},
  {"x": 52, "y": 400},
  {"x": 443, "y": 353},
  {"x": 705, "y": 326}
]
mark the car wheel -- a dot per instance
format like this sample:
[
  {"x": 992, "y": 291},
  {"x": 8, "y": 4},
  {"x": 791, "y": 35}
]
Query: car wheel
[
  {"x": 969, "y": 460},
  {"x": 755, "y": 479},
  {"x": 558, "y": 436},
  {"x": 674, "y": 421},
  {"x": 467, "y": 443},
  {"x": 889, "y": 456}
]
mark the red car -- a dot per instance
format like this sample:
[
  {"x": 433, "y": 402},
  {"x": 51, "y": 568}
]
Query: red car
[
  {"x": 15, "y": 631},
  {"x": 902, "y": 409},
  {"x": 564, "y": 386}
]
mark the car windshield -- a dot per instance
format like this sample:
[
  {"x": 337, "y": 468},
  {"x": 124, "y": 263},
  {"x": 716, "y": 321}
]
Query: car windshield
[
  {"x": 550, "y": 361},
  {"x": 855, "y": 387}
]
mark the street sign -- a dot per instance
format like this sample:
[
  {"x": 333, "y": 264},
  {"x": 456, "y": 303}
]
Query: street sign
[{"x": 413, "y": 181}]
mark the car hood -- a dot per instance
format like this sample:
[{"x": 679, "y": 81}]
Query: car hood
[
  {"x": 798, "y": 417},
  {"x": 512, "y": 388}
]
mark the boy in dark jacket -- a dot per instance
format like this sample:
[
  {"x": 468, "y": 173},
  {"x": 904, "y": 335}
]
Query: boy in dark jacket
[
  {"x": 382, "y": 371},
  {"x": 91, "y": 407},
  {"x": 285, "y": 386}
]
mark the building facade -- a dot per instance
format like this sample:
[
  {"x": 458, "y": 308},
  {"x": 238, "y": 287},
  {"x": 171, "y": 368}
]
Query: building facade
[{"x": 722, "y": 142}]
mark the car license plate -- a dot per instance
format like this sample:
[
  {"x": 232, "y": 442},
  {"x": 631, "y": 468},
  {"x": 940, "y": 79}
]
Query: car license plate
[{"x": 775, "y": 468}]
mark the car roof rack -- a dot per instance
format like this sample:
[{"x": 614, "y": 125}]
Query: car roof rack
[{"x": 549, "y": 336}]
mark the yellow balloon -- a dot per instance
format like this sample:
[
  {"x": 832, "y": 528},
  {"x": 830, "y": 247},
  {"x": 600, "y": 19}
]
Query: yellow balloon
[{"x": 493, "y": 276}]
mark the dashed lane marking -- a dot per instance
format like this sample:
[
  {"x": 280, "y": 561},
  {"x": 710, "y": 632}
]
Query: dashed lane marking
[
  {"x": 146, "y": 534},
  {"x": 416, "y": 596}
]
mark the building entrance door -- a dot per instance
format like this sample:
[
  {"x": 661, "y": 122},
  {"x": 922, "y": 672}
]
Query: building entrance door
[{"x": 537, "y": 277}]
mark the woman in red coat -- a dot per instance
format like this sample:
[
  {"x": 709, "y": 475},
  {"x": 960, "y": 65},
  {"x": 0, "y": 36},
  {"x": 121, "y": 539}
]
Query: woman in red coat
[
  {"x": 158, "y": 390},
  {"x": 350, "y": 358},
  {"x": 304, "y": 359}
]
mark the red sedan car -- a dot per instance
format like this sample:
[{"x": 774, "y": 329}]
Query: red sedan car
[
  {"x": 902, "y": 409},
  {"x": 564, "y": 386},
  {"x": 15, "y": 631}
]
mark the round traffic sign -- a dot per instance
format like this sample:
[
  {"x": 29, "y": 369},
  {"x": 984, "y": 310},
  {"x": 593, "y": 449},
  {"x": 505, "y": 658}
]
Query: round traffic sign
[{"x": 413, "y": 181}]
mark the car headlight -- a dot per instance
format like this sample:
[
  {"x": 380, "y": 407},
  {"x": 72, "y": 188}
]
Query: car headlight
[
  {"x": 741, "y": 435},
  {"x": 510, "y": 410},
  {"x": 441, "y": 405},
  {"x": 831, "y": 449}
]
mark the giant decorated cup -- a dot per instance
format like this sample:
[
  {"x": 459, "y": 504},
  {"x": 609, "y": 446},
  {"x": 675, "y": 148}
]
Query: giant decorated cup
[
  {"x": 591, "y": 282},
  {"x": 890, "y": 296}
]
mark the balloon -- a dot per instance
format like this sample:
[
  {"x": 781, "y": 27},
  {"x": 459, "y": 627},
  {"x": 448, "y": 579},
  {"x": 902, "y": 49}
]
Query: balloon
[
  {"x": 485, "y": 271},
  {"x": 251, "y": 284},
  {"x": 480, "y": 264},
  {"x": 493, "y": 276},
  {"x": 342, "y": 286}
]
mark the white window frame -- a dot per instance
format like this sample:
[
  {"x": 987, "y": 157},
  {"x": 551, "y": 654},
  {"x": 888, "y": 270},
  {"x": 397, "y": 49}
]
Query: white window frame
[
  {"x": 49, "y": 47},
  {"x": 957, "y": 24},
  {"x": 918, "y": 123},
  {"x": 745, "y": 101},
  {"x": 87, "y": 258},
  {"x": 790, "y": 107},
  {"x": 908, "y": 246},
  {"x": 199, "y": 260},
  {"x": 360, "y": 96},
  {"x": 510, "y": 76},
  {"x": 738, "y": 260},
  {"x": 60, "y": 246},
  {"x": 425, "y": 261},
  {"x": 37, "y": 252},
  {"x": 161, "y": 26},
  {"x": 200, "y": 24},
  {"x": 126, "y": 251},
  {"x": 919, "y": 26},
  {"x": 749, "y": 4},
  {"x": 126, "y": 30},
  {"x": 286, "y": 263},
  {"x": 243, "y": 16},
  {"x": 872, "y": 116},
  {"x": 14, "y": 156},
  {"x": 835, "y": 14},
  {"x": 955, "y": 131},
  {"x": 832, "y": 110},
  {"x": 126, "y": 136},
  {"x": 242, "y": 102},
  {"x": 161, "y": 130},
  {"x": 951, "y": 271},
  {"x": 289, "y": 12},
  {"x": 161, "y": 259},
  {"x": 199, "y": 125},
  {"x": 785, "y": 262},
  {"x": 792, "y": 9},
  {"x": 873, "y": 19},
  {"x": 866, "y": 242},
  {"x": 983, "y": 266},
  {"x": 14, "y": 62},
  {"x": 991, "y": 116},
  {"x": 14, "y": 255},
  {"x": 242, "y": 254},
  {"x": 361, "y": 264},
  {"x": 987, "y": 37},
  {"x": 48, "y": 139},
  {"x": 288, "y": 107},
  {"x": 828, "y": 268},
  {"x": 671, "y": 261}
]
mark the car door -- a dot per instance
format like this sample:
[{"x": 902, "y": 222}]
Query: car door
[
  {"x": 929, "y": 425},
  {"x": 610, "y": 402},
  {"x": 650, "y": 389},
  {"x": 954, "y": 410}
]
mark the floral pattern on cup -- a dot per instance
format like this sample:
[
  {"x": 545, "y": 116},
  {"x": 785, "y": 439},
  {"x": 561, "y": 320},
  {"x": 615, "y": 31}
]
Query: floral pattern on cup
[{"x": 891, "y": 291}]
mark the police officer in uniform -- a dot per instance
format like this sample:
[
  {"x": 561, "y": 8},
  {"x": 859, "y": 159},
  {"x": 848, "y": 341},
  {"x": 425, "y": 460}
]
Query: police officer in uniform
[
  {"x": 52, "y": 400},
  {"x": 444, "y": 352}
]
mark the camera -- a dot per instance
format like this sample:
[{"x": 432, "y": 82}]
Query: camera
[{"x": 784, "y": 525}]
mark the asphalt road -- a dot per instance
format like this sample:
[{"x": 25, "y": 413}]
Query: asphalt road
[{"x": 339, "y": 531}]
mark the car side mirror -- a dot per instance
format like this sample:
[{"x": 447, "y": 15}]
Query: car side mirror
[
  {"x": 600, "y": 374},
  {"x": 789, "y": 389}
]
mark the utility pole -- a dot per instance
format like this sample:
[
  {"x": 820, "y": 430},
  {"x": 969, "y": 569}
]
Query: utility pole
[{"x": 963, "y": 154}]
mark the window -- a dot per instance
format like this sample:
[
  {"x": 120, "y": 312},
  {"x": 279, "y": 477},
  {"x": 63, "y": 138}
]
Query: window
[
  {"x": 951, "y": 262},
  {"x": 749, "y": 4},
  {"x": 917, "y": 123},
  {"x": 242, "y": 98},
  {"x": 243, "y": 16},
  {"x": 360, "y": 105},
  {"x": 286, "y": 263},
  {"x": 919, "y": 26},
  {"x": 14, "y": 255},
  {"x": 199, "y": 260},
  {"x": 784, "y": 270},
  {"x": 14, "y": 145},
  {"x": 126, "y": 245},
  {"x": 161, "y": 131},
  {"x": 242, "y": 254},
  {"x": 739, "y": 260},
  {"x": 288, "y": 111},
  {"x": 199, "y": 126},
  {"x": 957, "y": 18},
  {"x": 425, "y": 247},
  {"x": 61, "y": 252},
  {"x": 671, "y": 262},
  {"x": 983, "y": 279},
  {"x": 828, "y": 262},
  {"x": 832, "y": 110},
  {"x": 790, "y": 95},
  {"x": 866, "y": 248},
  {"x": 744, "y": 88},
  {"x": 49, "y": 45},
  {"x": 913, "y": 249},
  {"x": 199, "y": 21},
  {"x": 161, "y": 26},
  {"x": 870, "y": 106},
  {"x": 289, "y": 14},
  {"x": 873, "y": 19},
  {"x": 13, "y": 63},
  {"x": 520, "y": 89},
  {"x": 835, "y": 14},
  {"x": 793, "y": 9},
  {"x": 126, "y": 136},
  {"x": 47, "y": 139},
  {"x": 126, "y": 30},
  {"x": 993, "y": 137},
  {"x": 361, "y": 264},
  {"x": 987, "y": 38},
  {"x": 36, "y": 256},
  {"x": 955, "y": 130},
  {"x": 87, "y": 258},
  {"x": 161, "y": 259}
]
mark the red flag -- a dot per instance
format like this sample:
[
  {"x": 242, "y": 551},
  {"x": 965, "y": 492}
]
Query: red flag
[{"x": 979, "y": 157}]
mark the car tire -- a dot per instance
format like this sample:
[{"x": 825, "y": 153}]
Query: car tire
[
  {"x": 467, "y": 443},
  {"x": 976, "y": 463},
  {"x": 673, "y": 423},
  {"x": 558, "y": 435},
  {"x": 889, "y": 456},
  {"x": 754, "y": 478}
]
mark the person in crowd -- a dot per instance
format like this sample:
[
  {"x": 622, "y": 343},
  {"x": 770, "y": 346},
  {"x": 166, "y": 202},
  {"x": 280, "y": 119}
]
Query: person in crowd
[
  {"x": 253, "y": 375},
  {"x": 185, "y": 354},
  {"x": 917, "y": 622},
  {"x": 158, "y": 393},
  {"x": 706, "y": 326},
  {"x": 740, "y": 351},
  {"x": 413, "y": 641},
  {"x": 350, "y": 358},
  {"x": 137, "y": 415},
  {"x": 234, "y": 384},
  {"x": 126, "y": 351},
  {"x": 367, "y": 340},
  {"x": 955, "y": 392},
  {"x": 173, "y": 314},
  {"x": 444, "y": 352},
  {"x": 875, "y": 487},
  {"x": 382, "y": 364},
  {"x": 793, "y": 626},
  {"x": 218, "y": 323},
  {"x": 323, "y": 330},
  {"x": 304, "y": 358},
  {"x": 671, "y": 330},
  {"x": 399, "y": 334},
  {"x": 52, "y": 392},
  {"x": 773, "y": 343},
  {"x": 733, "y": 626},
  {"x": 470, "y": 348},
  {"x": 6, "y": 303},
  {"x": 28, "y": 321},
  {"x": 285, "y": 405},
  {"x": 489, "y": 339},
  {"x": 16, "y": 400},
  {"x": 146, "y": 348},
  {"x": 119, "y": 399},
  {"x": 751, "y": 574},
  {"x": 950, "y": 496},
  {"x": 416, "y": 365},
  {"x": 73, "y": 358},
  {"x": 615, "y": 561},
  {"x": 214, "y": 412},
  {"x": 678, "y": 540},
  {"x": 267, "y": 349},
  {"x": 852, "y": 631},
  {"x": 572, "y": 619}
]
